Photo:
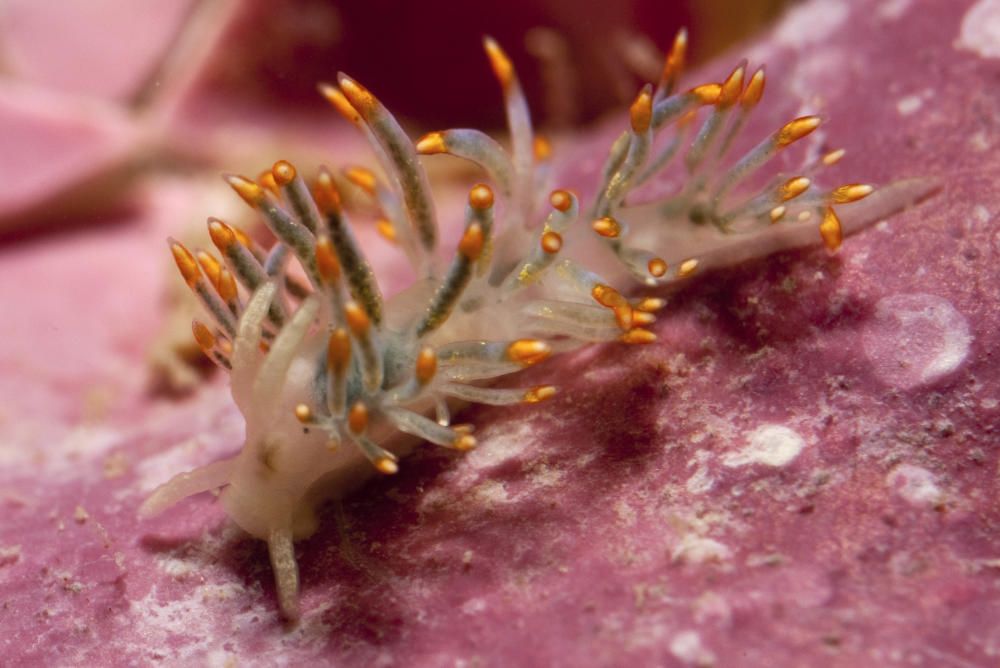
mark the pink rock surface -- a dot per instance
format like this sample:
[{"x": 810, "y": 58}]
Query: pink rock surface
[
  {"x": 107, "y": 49},
  {"x": 802, "y": 471},
  {"x": 55, "y": 146}
]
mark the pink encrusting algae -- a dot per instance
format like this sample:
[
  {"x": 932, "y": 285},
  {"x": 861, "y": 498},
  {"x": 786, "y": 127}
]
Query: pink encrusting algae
[{"x": 326, "y": 372}]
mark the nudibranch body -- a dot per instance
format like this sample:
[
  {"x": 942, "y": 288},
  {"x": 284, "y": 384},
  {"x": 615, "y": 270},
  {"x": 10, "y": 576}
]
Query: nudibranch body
[{"x": 327, "y": 373}]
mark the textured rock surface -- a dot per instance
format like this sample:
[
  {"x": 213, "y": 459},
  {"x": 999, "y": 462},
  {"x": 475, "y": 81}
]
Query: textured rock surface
[{"x": 802, "y": 471}]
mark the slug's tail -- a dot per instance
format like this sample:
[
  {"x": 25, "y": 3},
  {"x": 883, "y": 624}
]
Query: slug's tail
[{"x": 187, "y": 484}]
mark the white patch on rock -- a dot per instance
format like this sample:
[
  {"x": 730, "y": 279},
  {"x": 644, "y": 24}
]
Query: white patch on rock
[
  {"x": 473, "y": 606},
  {"x": 700, "y": 482},
  {"x": 770, "y": 444},
  {"x": 694, "y": 549},
  {"x": 914, "y": 339},
  {"x": 10, "y": 555},
  {"x": 891, "y": 10},
  {"x": 909, "y": 105},
  {"x": 916, "y": 485},
  {"x": 492, "y": 492},
  {"x": 687, "y": 647},
  {"x": 979, "y": 142},
  {"x": 500, "y": 444},
  {"x": 980, "y": 31},
  {"x": 811, "y": 23}
]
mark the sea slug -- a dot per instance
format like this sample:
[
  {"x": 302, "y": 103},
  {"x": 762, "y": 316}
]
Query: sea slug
[{"x": 327, "y": 373}]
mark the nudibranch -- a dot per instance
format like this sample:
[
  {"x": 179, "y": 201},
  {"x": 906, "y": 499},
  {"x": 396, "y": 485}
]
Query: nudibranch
[{"x": 327, "y": 373}]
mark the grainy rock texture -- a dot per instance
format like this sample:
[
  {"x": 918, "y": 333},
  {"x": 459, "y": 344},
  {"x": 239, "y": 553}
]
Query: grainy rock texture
[{"x": 802, "y": 471}]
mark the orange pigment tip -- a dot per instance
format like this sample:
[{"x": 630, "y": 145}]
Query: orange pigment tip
[
  {"x": 325, "y": 193},
  {"x": 266, "y": 180},
  {"x": 830, "y": 230},
  {"x": 651, "y": 304},
  {"x": 623, "y": 317},
  {"x": 754, "y": 90},
  {"x": 464, "y": 442},
  {"x": 687, "y": 268},
  {"x": 561, "y": 200},
  {"x": 793, "y": 187},
  {"x": 242, "y": 237},
  {"x": 357, "y": 418},
  {"x": 502, "y": 67},
  {"x": 222, "y": 235},
  {"x": 551, "y": 242},
  {"x": 386, "y": 466},
  {"x": 283, "y": 172},
  {"x": 637, "y": 336},
  {"x": 249, "y": 192},
  {"x": 426, "y": 365},
  {"x": 833, "y": 157},
  {"x": 605, "y": 295},
  {"x": 674, "y": 63},
  {"x": 227, "y": 286},
  {"x": 186, "y": 263},
  {"x": 360, "y": 97},
  {"x": 539, "y": 394},
  {"x": 431, "y": 144},
  {"x": 777, "y": 213},
  {"x": 851, "y": 193},
  {"x": 642, "y": 318},
  {"x": 732, "y": 87},
  {"x": 340, "y": 103},
  {"x": 542, "y": 148},
  {"x": 357, "y": 319},
  {"x": 471, "y": 245},
  {"x": 796, "y": 130},
  {"x": 707, "y": 93},
  {"x": 303, "y": 414},
  {"x": 203, "y": 335},
  {"x": 338, "y": 350},
  {"x": 326, "y": 260},
  {"x": 363, "y": 178},
  {"x": 657, "y": 267},
  {"x": 528, "y": 351},
  {"x": 480, "y": 197},
  {"x": 210, "y": 266},
  {"x": 385, "y": 230},
  {"x": 641, "y": 111},
  {"x": 607, "y": 227}
]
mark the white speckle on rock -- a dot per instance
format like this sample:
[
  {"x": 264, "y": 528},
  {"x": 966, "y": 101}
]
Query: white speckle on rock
[
  {"x": 687, "y": 647},
  {"x": 914, "y": 339},
  {"x": 700, "y": 482},
  {"x": 770, "y": 444},
  {"x": 694, "y": 549},
  {"x": 491, "y": 492},
  {"x": 473, "y": 606},
  {"x": 811, "y": 23},
  {"x": 909, "y": 104},
  {"x": 893, "y": 9},
  {"x": 979, "y": 142},
  {"x": 916, "y": 485},
  {"x": 10, "y": 555},
  {"x": 500, "y": 444},
  {"x": 980, "y": 31},
  {"x": 176, "y": 567}
]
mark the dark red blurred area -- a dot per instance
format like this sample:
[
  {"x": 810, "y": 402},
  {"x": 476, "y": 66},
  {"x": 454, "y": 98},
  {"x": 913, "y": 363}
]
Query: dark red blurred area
[{"x": 425, "y": 62}]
